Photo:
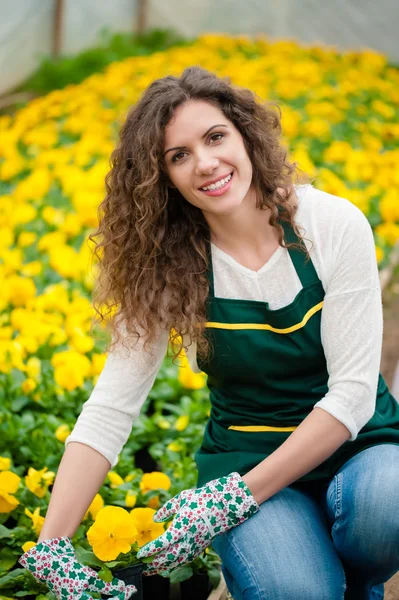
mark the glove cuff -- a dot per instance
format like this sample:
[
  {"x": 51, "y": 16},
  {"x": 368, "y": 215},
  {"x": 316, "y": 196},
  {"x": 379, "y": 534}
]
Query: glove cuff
[
  {"x": 236, "y": 496},
  {"x": 44, "y": 550}
]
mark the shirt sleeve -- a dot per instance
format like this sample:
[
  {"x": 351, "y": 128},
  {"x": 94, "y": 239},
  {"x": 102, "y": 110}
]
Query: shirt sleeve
[
  {"x": 351, "y": 324},
  {"x": 106, "y": 419}
]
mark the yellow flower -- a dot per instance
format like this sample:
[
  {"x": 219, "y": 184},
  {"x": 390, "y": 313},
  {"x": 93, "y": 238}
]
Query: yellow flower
[
  {"x": 163, "y": 423},
  {"x": 33, "y": 367},
  {"x": 31, "y": 269},
  {"x": 62, "y": 432},
  {"x": 98, "y": 363},
  {"x": 26, "y": 238},
  {"x": 70, "y": 369},
  {"x": 9, "y": 483},
  {"x": 38, "y": 481},
  {"x": 27, "y": 546},
  {"x": 182, "y": 422},
  {"x": 4, "y": 463},
  {"x": 389, "y": 206},
  {"x": 191, "y": 380},
  {"x": 20, "y": 290},
  {"x": 154, "y": 481},
  {"x": 28, "y": 385},
  {"x": 112, "y": 533},
  {"x": 147, "y": 530},
  {"x": 95, "y": 507},
  {"x": 389, "y": 232},
  {"x": 37, "y": 520},
  {"x": 130, "y": 499},
  {"x": 379, "y": 252},
  {"x": 154, "y": 502},
  {"x": 115, "y": 479},
  {"x": 174, "y": 447}
]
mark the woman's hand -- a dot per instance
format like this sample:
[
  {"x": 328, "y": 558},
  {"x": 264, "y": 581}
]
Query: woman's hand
[
  {"x": 201, "y": 514},
  {"x": 54, "y": 563}
]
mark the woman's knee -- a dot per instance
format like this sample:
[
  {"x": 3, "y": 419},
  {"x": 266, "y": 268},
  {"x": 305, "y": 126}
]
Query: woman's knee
[
  {"x": 290, "y": 585},
  {"x": 366, "y": 532}
]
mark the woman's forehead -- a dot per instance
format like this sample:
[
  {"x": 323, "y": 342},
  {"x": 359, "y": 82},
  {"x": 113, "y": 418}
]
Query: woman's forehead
[{"x": 193, "y": 118}]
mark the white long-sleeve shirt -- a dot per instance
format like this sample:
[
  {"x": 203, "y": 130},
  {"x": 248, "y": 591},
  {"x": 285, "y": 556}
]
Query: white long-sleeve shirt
[{"x": 342, "y": 249}]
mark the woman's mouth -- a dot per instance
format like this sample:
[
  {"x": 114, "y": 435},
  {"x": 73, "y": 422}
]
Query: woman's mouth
[{"x": 220, "y": 187}]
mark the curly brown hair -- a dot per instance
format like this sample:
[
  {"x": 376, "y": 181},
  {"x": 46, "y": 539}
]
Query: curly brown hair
[{"x": 152, "y": 252}]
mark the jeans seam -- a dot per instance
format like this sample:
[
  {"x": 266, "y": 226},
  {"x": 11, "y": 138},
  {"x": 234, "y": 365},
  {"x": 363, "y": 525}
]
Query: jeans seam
[{"x": 338, "y": 499}]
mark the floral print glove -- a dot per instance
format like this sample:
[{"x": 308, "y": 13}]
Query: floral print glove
[
  {"x": 201, "y": 514},
  {"x": 54, "y": 563}
]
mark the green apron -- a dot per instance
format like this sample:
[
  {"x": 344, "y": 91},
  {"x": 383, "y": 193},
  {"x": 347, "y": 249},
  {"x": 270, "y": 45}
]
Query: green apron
[{"x": 266, "y": 372}]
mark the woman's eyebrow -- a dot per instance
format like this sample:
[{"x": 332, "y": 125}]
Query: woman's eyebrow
[{"x": 202, "y": 137}]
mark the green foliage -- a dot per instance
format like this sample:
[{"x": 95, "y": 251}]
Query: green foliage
[{"x": 57, "y": 73}]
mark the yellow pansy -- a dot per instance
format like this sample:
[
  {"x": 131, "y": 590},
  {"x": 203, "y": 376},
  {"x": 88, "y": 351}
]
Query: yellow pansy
[
  {"x": 182, "y": 422},
  {"x": 174, "y": 447},
  {"x": 154, "y": 481},
  {"x": 33, "y": 367},
  {"x": 28, "y": 546},
  {"x": 62, "y": 432},
  {"x": 37, "y": 519},
  {"x": 389, "y": 232},
  {"x": 147, "y": 530},
  {"x": 5, "y": 463},
  {"x": 28, "y": 385},
  {"x": 112, "y": 533},
  {"x": 130, "y": 499},
  {"x": 191, "y": 380},
  {"x": 115, "y": 479},
  {"x": 379, "y": 252},
  {"x": 20, "y": 290},
  {"x": 26, "y": 238},
  {"x": 9, "y": 483},
  {"x": 38, "y": 481},
  {"x": 95, "y": 507}
]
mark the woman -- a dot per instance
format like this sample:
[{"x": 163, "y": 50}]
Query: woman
[{"x": 274, "y": 291}]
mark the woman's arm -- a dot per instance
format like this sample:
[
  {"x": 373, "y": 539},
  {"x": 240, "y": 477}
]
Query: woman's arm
[
  {"x": 351, "y": 332},
  {"x": 314, "y": 440},
  {"x": 80, "y": 475}
]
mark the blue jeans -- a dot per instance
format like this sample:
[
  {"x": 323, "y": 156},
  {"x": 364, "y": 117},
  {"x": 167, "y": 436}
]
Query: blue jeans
[{"x": 321, "y": 543}]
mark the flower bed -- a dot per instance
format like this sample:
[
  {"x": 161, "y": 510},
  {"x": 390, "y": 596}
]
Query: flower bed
[{"x": 341, "y": 127}]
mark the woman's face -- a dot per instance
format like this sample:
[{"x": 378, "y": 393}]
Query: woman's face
[{"x": 203, "y": 148}]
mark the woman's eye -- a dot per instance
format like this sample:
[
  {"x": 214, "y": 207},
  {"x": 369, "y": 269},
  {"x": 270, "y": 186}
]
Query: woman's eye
[
  {"x": 217, "y": 135},
  {"x": 175, "y": 158}
]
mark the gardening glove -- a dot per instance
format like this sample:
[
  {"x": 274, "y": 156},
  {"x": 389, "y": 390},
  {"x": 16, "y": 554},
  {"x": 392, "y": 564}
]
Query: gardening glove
[
  {"x": 201, "y": 514},
  {"x": 54, "y": 563}
]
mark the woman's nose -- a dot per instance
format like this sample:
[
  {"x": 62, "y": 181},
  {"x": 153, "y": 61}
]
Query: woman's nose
[{"x": 206, "y": 164}]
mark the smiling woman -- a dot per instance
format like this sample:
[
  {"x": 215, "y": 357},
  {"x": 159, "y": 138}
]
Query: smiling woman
[
  {"x": 198, "y": 131},
  {"x": 273, "y": 290}
]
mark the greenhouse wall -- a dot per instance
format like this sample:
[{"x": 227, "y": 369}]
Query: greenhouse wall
[{"x": 26, "y": 26}]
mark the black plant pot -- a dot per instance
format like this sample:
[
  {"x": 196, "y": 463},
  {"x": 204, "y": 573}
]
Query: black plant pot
[
  {"x": 198, "y": 587},
  {"x": 131, "y": 575},
  {"x": 156, "y": 587},
  {"x": 143, "y": 460}
]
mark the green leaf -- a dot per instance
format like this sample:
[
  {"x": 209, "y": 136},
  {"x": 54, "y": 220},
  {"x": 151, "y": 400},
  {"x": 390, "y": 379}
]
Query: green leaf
[
  {"x": 11, "y": 579},
  {"x": 7, "y": 559},
  {"x": 111, "y": 564},
  {"x": 214, "y": 576},
  {"x": 87, "y": 557},
  {"x": 4, "y": 532},
  {"x": 181, "y": 574},
  {"x": 105, "y": 574}
]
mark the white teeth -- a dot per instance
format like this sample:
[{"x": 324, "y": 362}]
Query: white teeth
[{"x": 218, "y": 184}]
